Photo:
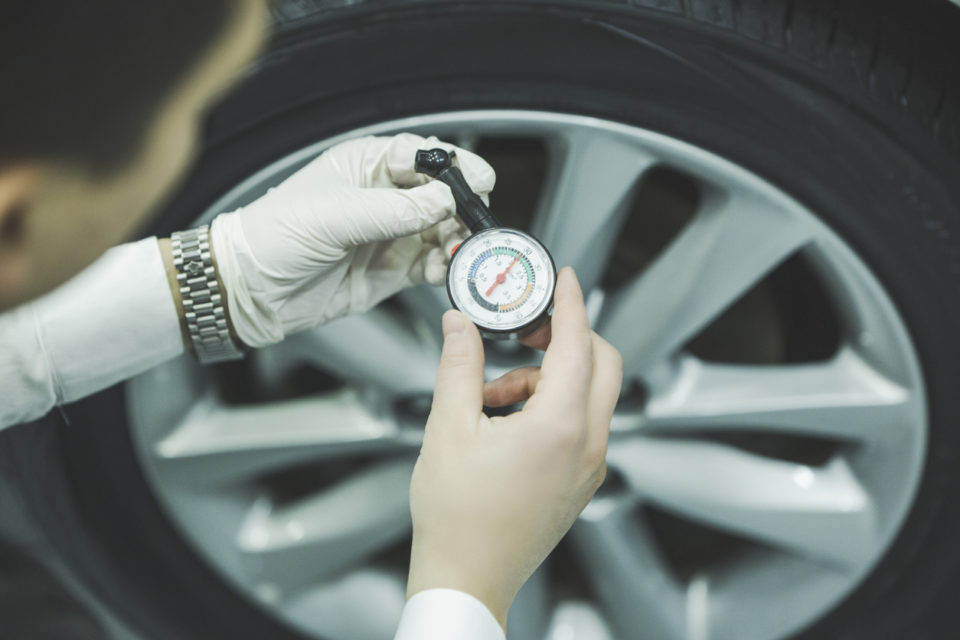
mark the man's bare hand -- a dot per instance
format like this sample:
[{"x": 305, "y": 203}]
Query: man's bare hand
[{"x": 491, "y": 497}]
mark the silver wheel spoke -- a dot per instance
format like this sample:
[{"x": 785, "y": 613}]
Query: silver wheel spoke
[
  {"x": 428, "y": 304},
  {"x": 301, "y": 543},
  {"x": 822, "y": 512},
  {"x": 339, "y": 609},
  {"x": 753, "y": 589},
  {"x": 375, "y": 348},
  {"x": 216, "y": 443},
  {"x": 732, "y": 242},
  {"x": 587, "y": 199},
  {"x": 627, "y": 570},
  {"x": 844, "y": 398},
  {"x": 578, "y": 619}
]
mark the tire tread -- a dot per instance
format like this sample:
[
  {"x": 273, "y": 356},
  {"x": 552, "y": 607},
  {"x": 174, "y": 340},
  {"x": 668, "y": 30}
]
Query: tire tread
[{"x": 896, "y": 53}]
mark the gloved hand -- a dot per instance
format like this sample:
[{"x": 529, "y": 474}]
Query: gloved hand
[
  {"x": 348, "y": 230},
  {"x": 491, "y": 497}
]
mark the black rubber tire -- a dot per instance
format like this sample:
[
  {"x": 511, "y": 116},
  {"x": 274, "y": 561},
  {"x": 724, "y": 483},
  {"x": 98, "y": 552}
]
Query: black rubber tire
[{"x": 851, "y": 107}]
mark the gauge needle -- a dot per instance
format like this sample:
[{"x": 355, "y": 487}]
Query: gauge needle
[{"x": 501, "y": 278}]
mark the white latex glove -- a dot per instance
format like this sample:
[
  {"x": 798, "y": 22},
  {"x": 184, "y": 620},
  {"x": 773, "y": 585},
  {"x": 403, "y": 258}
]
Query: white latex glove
[
  {"x": 348, "y": 230},
  {"x": 491, "y": 497}
]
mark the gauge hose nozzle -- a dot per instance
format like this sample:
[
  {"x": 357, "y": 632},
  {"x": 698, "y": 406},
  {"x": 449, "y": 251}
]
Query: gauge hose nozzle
[{"x": 438, "y": 163}]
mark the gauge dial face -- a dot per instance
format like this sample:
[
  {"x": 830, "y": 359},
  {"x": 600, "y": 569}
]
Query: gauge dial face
[{"x": 502, "y": 279}]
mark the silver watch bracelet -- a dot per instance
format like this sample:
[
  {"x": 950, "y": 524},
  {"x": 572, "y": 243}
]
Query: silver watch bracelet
[{"x": 203, "y": 303}]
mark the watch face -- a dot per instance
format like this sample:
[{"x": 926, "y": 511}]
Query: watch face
[{"x": 502, "y": 279}]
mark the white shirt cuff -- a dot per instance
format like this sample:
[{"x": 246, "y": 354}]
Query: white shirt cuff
[
  {"x": 447, "y": 614},
  {"x": 112, "y": 321},
  {"x": 26, "y": 386}
]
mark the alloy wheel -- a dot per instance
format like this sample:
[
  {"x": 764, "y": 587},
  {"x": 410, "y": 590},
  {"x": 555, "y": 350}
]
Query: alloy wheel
[{"x": 756, "y": 474}]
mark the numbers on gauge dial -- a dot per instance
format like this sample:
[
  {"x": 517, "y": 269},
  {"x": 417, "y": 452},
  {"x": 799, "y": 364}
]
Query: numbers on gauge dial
[{"x": 500, "y": 279}]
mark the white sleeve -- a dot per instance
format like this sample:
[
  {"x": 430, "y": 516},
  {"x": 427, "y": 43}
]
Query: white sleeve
[
  {"x": 112, "y": 321},
  {"x": 447, "y": 614}
]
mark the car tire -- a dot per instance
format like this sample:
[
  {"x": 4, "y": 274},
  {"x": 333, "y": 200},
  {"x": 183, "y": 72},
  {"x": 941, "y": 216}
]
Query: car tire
[{"x": 850, "y": 107}]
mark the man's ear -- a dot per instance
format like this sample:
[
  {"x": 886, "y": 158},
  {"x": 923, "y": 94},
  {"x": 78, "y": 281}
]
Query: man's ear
[{"x": 18, "y": 186}]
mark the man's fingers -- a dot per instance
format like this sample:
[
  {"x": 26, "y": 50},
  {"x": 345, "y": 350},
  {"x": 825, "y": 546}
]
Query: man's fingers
[
  {"x": 477, "y": 172},
  {"x": 458, "y": 394},
  {"x": 570, "y": 328},
  {"x": 375, "y": 215},
  {"x": 399, "y": 156},
  {"x": 539, "y": 339},
  {"x": 383, "y": 162},
  {"x": 402, "y": 150},
  {"x": 568, "y": 360},
  {"x": 441, "y": 240},
  {"x": 451, "y": 233},
  {"x": 512, "y": 387},
  {"x": 604, "y": 390},
  {"x": 427, "y": 205},
  {"x": 434, "y": 265}
]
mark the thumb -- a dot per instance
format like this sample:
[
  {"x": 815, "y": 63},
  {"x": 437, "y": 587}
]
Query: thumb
[
  {"x": 458, "y": 394},
  {"x": 386, "y": 213}
]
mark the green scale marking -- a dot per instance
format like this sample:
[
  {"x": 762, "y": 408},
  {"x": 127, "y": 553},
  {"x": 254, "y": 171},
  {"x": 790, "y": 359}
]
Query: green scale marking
[{"x": 512, "y": 253}]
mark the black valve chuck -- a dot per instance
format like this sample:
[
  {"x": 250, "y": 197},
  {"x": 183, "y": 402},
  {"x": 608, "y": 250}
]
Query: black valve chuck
[{"x": 438, "y": 163}]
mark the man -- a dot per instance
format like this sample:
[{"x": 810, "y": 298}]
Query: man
[{"x": 103, "y": 122}]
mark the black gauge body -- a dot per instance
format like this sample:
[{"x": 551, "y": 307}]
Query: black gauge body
[{"x": 501, "y": 278}]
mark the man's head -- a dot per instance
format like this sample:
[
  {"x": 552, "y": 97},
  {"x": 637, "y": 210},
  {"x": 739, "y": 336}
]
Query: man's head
[{"x": 101, "y": 111}]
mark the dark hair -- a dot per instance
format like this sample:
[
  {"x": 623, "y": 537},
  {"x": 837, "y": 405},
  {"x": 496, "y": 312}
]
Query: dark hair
[{"x": 81, "y": 80}]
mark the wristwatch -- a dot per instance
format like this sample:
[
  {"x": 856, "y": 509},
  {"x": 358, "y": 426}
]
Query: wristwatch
[{"x": 201, "y": 296}]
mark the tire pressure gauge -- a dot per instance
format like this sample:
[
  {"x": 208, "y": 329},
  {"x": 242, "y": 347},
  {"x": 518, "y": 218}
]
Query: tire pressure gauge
[{"x": 500, "y": 278}]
